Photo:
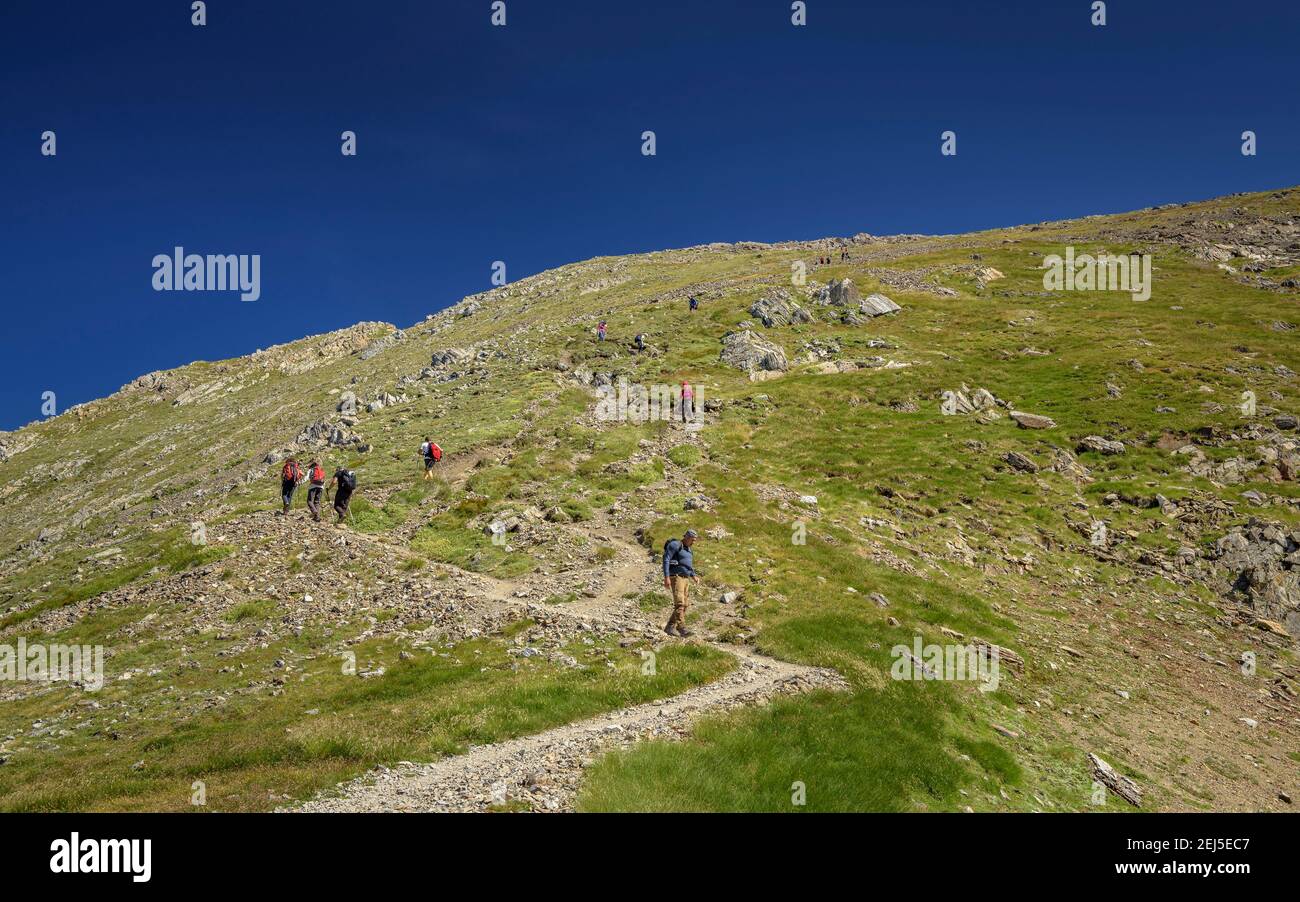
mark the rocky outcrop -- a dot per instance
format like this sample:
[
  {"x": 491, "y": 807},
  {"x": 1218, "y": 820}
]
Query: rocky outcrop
[
  {"x": 778, "y": 308},
  {"x": 1100, "y": 445},
  {"x": 747, "y": 351},
  {"x": 1263, "y": 561},
  {"x": 333, "y": 434},
  {"x": 452, "y": 357},
  {"x": 843, "y": 293}
]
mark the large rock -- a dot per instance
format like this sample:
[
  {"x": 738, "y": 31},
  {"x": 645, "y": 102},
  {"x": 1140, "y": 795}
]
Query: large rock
[
  {"x": 878, "y": 305},
  {"x": 777, "y": 308},
  {"x": 1263, "y": 561},
  {"x": 841, "y": 293},
  {"x": 747, "y": 351},
  {"x": 1032, "y": 420},
  {"x": 1100, "y": 445}
]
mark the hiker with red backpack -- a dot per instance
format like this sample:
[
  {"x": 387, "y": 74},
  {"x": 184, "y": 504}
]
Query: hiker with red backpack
[
  {"x": 290, "y": 477},
  {"x": 316, "y": 488},
  {"x": 431, "y": 454}
]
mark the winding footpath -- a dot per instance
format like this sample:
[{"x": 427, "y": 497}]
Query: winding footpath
[{"x": 543, "y": 772}]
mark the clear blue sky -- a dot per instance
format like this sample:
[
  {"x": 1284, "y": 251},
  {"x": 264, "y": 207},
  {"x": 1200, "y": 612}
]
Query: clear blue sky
[{"x": 522, "y": 144}]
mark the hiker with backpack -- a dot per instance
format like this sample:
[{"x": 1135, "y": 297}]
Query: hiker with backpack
[
  {"x": 679, "y": 570},
  {"x": 431, "y": 454},
  {"x": 315, "y": 488},
  {"x": 346, "y": 480},
  {"x": 688, "y": 402},
  {"x": 600, "y": 330},
  {"x": 695, "y": 303},
  {"x": 290, "y": 477}
]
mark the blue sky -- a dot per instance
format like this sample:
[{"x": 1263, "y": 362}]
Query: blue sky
[{"x": 478, "y": 143}]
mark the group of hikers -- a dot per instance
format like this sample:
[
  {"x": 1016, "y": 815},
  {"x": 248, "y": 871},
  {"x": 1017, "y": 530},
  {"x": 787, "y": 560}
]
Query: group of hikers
[
  {"x": 678, "y": 562},
  {"x": 293, "y": 475},
  {"x": 343, "y": 482},
  {"x": 826, "y": 260}
]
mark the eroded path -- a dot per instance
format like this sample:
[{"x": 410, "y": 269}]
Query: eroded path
[{"x": 543, "y": 772}]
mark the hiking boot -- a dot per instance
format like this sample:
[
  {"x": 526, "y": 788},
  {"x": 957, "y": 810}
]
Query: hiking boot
[
  {"x": 669, "y": 629},
  {"x": 684, "y": 632}
]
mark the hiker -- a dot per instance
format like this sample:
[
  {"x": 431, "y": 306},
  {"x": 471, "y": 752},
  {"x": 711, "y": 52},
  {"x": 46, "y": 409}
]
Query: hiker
[
  {"x": 600, "y": 330},
  {"x": 688, "y": 402},
  {"x": 679, "y": 567},
  {"x": 639, "y": 341},
  {"x": 347, "y": 483},
  {"x": 290, "y": 476},
  {"x": 431, "y": 454},
  {"x": 695, "y": 303},
  {"x": 315, "y": 488}
]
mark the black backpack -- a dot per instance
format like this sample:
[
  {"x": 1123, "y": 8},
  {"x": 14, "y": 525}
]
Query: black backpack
[{"x": 348, "y": 480}]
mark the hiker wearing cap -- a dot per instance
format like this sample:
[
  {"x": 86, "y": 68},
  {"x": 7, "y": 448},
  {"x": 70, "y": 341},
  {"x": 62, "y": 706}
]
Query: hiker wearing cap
[
  {"x": 290, "y": 477},
  {"x": 315, "y": 488},
  {"x": 688, "y": 402},
  {"x": 347, "y": 483},
  {"x": 679, "y": 570}
]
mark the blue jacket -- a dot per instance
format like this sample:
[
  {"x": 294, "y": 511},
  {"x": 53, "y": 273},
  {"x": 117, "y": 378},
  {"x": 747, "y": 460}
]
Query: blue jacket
[{"x": 678, "y": 560}]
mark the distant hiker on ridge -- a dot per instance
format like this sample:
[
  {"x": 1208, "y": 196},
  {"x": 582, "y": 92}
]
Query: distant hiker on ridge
[
  {"x": 290, "y": 476},
  {"x": 600, "y": 330},
  {"x": 347, "y": 483},
  {"x": 315, "y": 488},
  {"x": 679, "y": 567},
  {"x": 431, "y": 454},
  {"x": 695, "y": 303}
]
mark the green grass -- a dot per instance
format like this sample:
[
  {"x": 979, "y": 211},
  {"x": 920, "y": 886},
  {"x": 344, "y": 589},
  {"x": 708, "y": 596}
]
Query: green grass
[{"x": 261, "y": 749}]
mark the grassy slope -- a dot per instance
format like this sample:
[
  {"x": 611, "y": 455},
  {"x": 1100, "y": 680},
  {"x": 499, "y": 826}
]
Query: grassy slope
[{"x": 885, "y": 746}]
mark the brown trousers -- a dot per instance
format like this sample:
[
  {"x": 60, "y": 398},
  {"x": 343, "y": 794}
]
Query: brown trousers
[
  {"x": 313, "y": 500},
  {"x": 681, "y": 586}
]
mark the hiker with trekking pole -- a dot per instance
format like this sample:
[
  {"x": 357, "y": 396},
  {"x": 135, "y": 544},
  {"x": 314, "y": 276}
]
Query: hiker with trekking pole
[
  {"x": 346, "y": 480},
  {"x": 290, "y": 477},
  {"x": 315, "y": 488},
  {"x": 679, "y": 571},
  {"x": 431, "y": 454}
]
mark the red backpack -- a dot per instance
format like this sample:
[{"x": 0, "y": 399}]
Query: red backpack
[
  {"x": 435, "y": 451},
  {"x": 318, "y": 474},
  {"x": 291, "y": 471}
]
